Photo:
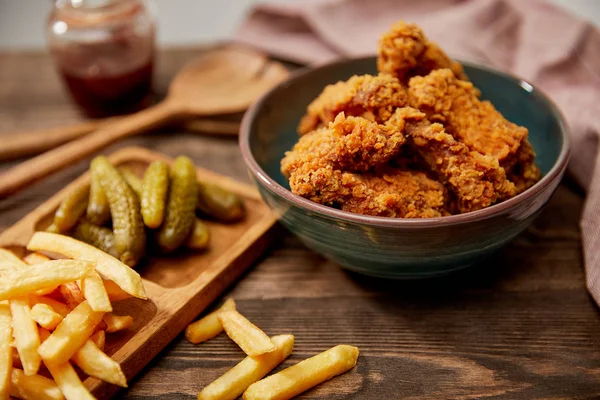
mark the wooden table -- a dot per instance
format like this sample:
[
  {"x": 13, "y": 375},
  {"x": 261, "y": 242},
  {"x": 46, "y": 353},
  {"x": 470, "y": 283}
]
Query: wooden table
[{"x": 521, "y": 326}]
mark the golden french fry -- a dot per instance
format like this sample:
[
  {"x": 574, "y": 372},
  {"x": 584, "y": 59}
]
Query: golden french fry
[
  {"x": 95, "y": 293},
  {"x": 6, "y": 350},
  {"x": 99, "y": 339},
  {"x": 25, "y": 333},
  {"x": 69, "y": 383},
  {"x": 307, "y": 373},
  {"x": 108, "y": 266},
  {"x": 34, "y": 387},
  {"x": 38, "y": 258},
  {"x": 44, "y": 334},
  {"x": 115, "y": 293},
  {"x": 71, "y": 294},
  {"x": 95, "y": 363},
  {"x": 24, "y": 281},
  {"x": 73, "y": 331},
  {"x": 116, "y": 323},
  {"x": 248, "y": 336},
  {"x": 57, "y": 306},
  {"x": 35, "y": 258},
  {"x": 16, "y": 361},
  {"x": 8, "y": 259},
  {"x": 209, "y": 326},
  {"x": 234, "y": 382},
  {"x": 45, "y": 316}
]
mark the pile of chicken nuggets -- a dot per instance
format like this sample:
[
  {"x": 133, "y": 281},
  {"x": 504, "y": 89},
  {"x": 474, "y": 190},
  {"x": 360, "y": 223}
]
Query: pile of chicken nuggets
[{"x": 415, "y": 141}]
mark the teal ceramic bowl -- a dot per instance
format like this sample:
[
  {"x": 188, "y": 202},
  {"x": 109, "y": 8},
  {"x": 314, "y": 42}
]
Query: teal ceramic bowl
[{"x": 391, "y": 247}]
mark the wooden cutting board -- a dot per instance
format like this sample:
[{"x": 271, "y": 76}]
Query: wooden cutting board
[{"x": 179, "y": 286}]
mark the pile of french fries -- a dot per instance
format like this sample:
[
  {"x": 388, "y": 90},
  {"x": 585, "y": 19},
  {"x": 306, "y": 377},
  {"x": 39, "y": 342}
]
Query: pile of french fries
[
  {"x": 55, "y": 314},
  {"x": 264, "y": 354}
]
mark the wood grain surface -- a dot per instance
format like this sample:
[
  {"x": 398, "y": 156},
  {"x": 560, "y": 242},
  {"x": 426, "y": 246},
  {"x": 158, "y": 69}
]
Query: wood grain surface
[{"x": 520, "y": 326}]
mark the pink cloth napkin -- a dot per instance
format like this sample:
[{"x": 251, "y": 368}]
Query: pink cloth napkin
[{"x": 531, "y": 38}]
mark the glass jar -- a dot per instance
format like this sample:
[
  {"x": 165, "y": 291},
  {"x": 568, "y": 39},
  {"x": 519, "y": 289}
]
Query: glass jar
[{"x": 104, "y": 51}]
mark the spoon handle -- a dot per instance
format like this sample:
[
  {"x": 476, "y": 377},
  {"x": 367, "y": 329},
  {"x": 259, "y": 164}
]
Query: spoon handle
[
  {"x": 47, "y": 163},
  {"x": 23, "y": 144}
]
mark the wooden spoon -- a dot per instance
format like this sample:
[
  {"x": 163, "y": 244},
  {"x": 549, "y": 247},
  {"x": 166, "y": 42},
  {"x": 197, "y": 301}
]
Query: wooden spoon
[
  {"x": 222, "y": 81},
  {"x": 22, "y": 144}
]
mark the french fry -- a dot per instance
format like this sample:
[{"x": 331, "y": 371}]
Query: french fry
[
  {"x": 248, "y": 336},
  {"x": 25, "y": 333},
  {"x": 69, "y": 383},
  {"x": 209, "y": 326},
  {"x": 71, "y": 293},
  {"x": 6, "y": 350},
  {"x": 24, "y": 281},
  {"x": 234, "y": 382},
  {"x": 307, "y": 373},
  {"x": 35, "y": 258},
  {"x": 95, "y": 293},
  {"x": 16, "y": 361},
  {"x": 73, "y": 331},
  {"x": 116, "y": 323},
  {"x": 57, "y": 306},
  {"x": 45, "y": 316},
  {"x": 34, "y": 387},
  {"x": 95, "y": 363},
  {"x": 44, "y": 334},
  {"x": 99, "y": 339},
  {"x": 108, "y": 266},
  {"x": 8, "y": 259},
  {"x": 38, "y": 258},
  {"x": 115, "y": 293}
]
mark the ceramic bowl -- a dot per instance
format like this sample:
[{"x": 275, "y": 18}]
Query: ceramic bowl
[{"x": 396, "y": 247}]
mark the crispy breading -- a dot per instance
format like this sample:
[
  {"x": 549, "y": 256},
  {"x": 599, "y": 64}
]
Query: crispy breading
[
  {"x": 320, "y": 165},
  {"x": 454, "y": 103},
  {"x": 477, "y": 180},
  {"x": 363, "y": 144},
  {"x": 349, "y": 143},
  {"x": 404, "y": 51},
  {"x": 372, "y": 97},
  {"x": 397, "y": 193},
  {"x": 525, "y": 173}
]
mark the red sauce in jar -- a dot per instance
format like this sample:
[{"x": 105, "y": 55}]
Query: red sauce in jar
[
  {"x": 102, "y": 96},
  {"x": 104, "y": 50}
]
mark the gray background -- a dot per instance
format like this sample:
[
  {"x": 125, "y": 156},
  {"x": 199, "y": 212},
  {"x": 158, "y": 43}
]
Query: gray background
[{"x": 181, "y": 22}]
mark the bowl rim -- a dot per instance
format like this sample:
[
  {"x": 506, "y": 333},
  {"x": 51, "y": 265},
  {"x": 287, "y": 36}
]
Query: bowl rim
[{"x": 390, "y": 222}]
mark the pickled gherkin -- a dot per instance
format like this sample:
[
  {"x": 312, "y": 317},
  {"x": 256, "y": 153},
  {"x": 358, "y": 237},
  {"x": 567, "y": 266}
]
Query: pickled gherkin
[
  {"x": 132, "y": 180},
  {"x": 155, "y": 188},
  {"x": 98, "y": 236},
  {"x": 98, "y": 211},
  {"x": 128, "y": 227},
  {"x": 71, "y": 209},
  {"x": 180, "y": 213},
  {"x": 199, "y": 237},
  {"x": 219, "y": 203}
]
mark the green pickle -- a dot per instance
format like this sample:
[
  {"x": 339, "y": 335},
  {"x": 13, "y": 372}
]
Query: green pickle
[
  {"x": 219, "y": 203},
  {"x": 71, "y": 209},
  {"x": 98, "y": 210},
  {"x": 180, "y": 213},
  {"x": 98, "y": 236},
  {"x": 132, "y": 180},
  {"x": 199, "y": 238},
  {"x": 155, "y": 188},
  {"x": 128, "y": 227}
]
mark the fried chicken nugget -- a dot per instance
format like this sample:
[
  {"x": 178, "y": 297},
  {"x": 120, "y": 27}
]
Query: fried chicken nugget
[
  {"x": 477, "y": 180},
  {"x": 525, "y": 173},
  {"x": 372, "y": 97},
  {"x": 319, "y": 168},
  {"x": 404, "y": 51},
  {"x": 453, "y": 102}
]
